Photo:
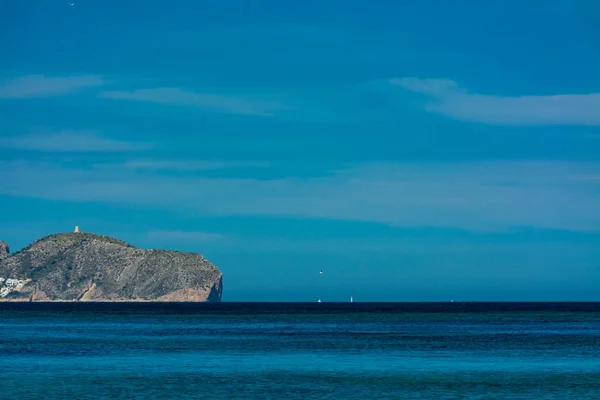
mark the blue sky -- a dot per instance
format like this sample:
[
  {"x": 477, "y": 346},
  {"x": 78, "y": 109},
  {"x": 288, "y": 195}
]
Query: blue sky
[{"x": 419, "y": 150}]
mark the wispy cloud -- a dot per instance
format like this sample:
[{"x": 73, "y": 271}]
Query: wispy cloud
[
  {"x": 451, "y": 100},
  {"x": 477, "y": 196},
  {"x": 184, "y": 236},
  {"x": 188, "y": 165},
  {"x": 69, "y": 141},
  {"x": 44, "y": 86},
  {"x": 261, "y": 245},
  {"x": 174, "y": 96}
]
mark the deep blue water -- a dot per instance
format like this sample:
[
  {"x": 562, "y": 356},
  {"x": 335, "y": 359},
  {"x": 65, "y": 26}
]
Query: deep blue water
[{"x": 300, "y": 351}]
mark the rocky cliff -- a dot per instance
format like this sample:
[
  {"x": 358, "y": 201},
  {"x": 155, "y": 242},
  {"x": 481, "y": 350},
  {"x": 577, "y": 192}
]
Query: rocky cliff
[
  {"x": 89, "y": 267},
  {"x": 4, "y": 250}
]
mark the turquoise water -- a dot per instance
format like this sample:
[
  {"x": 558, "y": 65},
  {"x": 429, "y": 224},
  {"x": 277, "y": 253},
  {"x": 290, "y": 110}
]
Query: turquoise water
[{"x": 300, "y": 351}]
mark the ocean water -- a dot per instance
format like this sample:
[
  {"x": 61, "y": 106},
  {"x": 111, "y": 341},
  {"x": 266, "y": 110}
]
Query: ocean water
[{"x": 300, "y": 351}]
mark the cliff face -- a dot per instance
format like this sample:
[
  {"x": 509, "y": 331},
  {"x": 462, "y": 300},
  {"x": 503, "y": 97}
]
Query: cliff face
[
  {"x": 4, "y": 250},
  {"x": 88, "y": 267}
]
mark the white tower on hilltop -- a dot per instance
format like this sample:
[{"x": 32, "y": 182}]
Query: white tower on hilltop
[{"x": 76, "y": 228}]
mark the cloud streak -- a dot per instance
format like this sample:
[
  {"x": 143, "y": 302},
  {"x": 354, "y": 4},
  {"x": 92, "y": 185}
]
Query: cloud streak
[
  {"x": 187, "y": 165},
  {"x": 184, "y": 236},
  {"x": 476, "y": 196},
  {"x": 69, "y": 141},
  {"x": 448, "y": 99},
  {"x": 32, "y": 86},
  {"x": 174, "y": 96}
]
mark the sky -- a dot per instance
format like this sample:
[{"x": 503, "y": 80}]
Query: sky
[{"x": 415, "y": 151}]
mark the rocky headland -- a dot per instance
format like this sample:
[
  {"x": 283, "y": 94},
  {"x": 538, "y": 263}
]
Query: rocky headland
[{"x": 82, "y": 266}]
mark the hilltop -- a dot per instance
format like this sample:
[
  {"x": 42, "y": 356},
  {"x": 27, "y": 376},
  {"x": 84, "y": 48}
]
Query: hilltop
[{"x": 81, "y": 266}]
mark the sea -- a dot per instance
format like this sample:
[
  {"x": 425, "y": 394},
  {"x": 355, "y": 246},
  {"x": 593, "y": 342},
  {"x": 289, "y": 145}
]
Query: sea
[{"x": 300, "y": 350}]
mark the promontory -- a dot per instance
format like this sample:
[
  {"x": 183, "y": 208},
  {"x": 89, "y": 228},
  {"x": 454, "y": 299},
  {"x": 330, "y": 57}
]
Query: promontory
[{"x": 81, "y": 266}]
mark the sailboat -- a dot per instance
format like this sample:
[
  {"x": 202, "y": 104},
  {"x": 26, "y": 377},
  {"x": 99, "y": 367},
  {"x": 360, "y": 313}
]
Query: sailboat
[
  {"x": 318, "y": 301},
  {"x": 350, "y": 299}
]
